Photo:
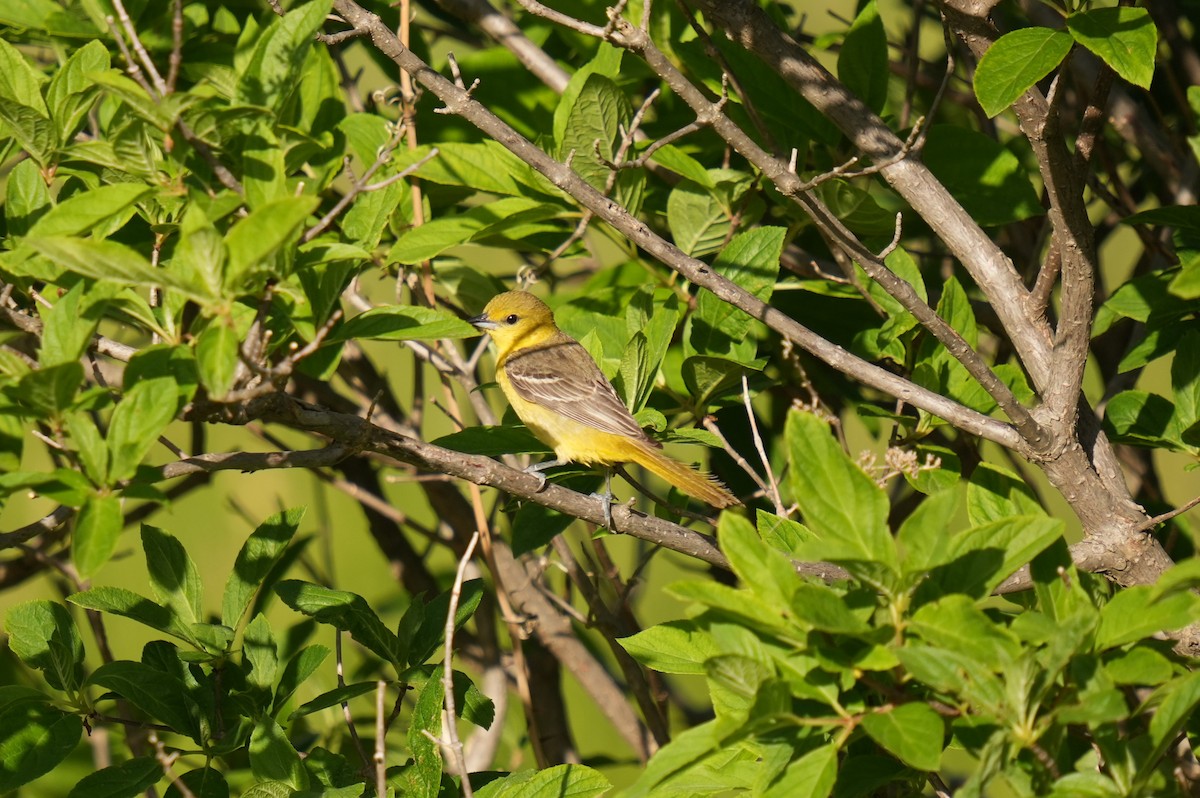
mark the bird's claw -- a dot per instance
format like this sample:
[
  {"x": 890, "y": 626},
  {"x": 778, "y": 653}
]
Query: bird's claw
[
  {"x": 608, "y": 500},
  {"x": 537, "y": 469},
  {"x": 541, "y": 478}
]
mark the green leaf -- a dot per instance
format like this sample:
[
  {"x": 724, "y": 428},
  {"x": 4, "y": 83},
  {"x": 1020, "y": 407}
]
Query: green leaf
[
  {"x": 22, "y": 108},
  {"x": 108, "y": 260},
  {"x": 128, "y": 604},
  {"x": 200, "y": 254},
  {"x": 218, "y": 357},
  {"x": 863, "y": 60},
  {"x": 144, "y": 412},
  {"x": 1015, "y": 62},
  {"x": 784, "y": 534},
  {"x": 273, "y": 71},
  {"x": 988, "y": 180},
  {"x": 97, "y": 529},
  {"x": 599, "y": 112},
  {"x": 631, "y": 375},
  {"x": 1185, "y": 383},
  {"x": 26, "y": 198},
  {"x": 51, "y": 389},
  {"x": 159, "y": 694},
  {"x": 682, "y": 164},
  {"x": 272, "y": 757},
  {"x": 1139, "y": 665},
  {"x": 346, "y": 611},
  {"x": 433, "y": 624},
  {"x": 995, "y": 493},
  {"x": 1175, "y": 704},
  {"x": 160, "y": 113},
  {"x": 751, "y": 260},
  {"x": 741, "y": 605},
  {"x": 482, "y": 221},
  {"x": 493, "y": 441},
  {"x": 1137, "y": 612},
  {"x": 34, "y": 738},
  {"x": 761, "y": 569},
  {"x": 924, "y": 533},
  {"x": 709, "y": 378},
  {"x": 403, "y": 323},
  {"x": 843, "y": 507},
  {"x": 685, "y": 748},
  {"x": 734, "y": 682},
  {"x": 811, "y": 775},
  {"x": 173, "y": 575},
  {"x": 980, "y": 558},
  {"x": 559, "y": 781},
  {"x": 474, "y": 706},
  {"x": 955, "y": 623},
  {"x": 815, "y": 606},
  {"x": 260, "y": 659},
  {"x": 1143, "y": 419},
  {"x": 258, "y": 555},
  {"x": 672, "y": 647},
  {"x": 912, "y": 732},
  {"x": 606, "y": 62},
  {"x": 656, "y": 320},
  {"x": 44, "y": 636},
  {"x": 120, "y": 781},
  {"x": 1124, "y": 38},
  {"x": 301, "y": 666},
  {"x": 535, "y": 525},
  {"x": 19, "y": 81},
  {"x": 333, "y": 698},
  {"x": 201, "y": 783},
  {"x": 253, "y": 242},
  {"x": 427, "y": 759},
  {"x": 698, "y": 221},
  {"x": 71, "y": 92},
  {"x": 69, "y": 325},
  {"x": 88, "y": 209}
]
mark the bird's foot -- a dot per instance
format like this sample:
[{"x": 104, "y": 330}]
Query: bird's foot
[
  {"x": 608, "y": 500},
  {"x": 536, "y": 470}
]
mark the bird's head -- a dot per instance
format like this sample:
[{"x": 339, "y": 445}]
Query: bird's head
[{"x": 515, "y": 316}]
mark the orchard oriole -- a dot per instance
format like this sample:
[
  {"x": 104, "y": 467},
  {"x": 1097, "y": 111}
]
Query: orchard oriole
[{"x": 561, "y": 395}]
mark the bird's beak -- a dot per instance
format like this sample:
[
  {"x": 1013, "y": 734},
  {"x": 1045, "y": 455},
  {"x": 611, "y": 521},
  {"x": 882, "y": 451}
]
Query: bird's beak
[{"x": 483, "y": 322}]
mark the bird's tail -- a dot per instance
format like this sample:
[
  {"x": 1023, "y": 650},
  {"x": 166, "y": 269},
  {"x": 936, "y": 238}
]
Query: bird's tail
[{"x": 697, "y": 484}]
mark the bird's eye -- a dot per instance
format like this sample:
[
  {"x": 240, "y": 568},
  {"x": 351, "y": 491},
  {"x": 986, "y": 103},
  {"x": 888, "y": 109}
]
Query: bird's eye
[{"x": 512, "y": 318}]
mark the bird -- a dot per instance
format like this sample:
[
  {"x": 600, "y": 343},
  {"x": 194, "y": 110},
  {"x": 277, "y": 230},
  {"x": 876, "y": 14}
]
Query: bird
[{"x": 563, "y": 397}]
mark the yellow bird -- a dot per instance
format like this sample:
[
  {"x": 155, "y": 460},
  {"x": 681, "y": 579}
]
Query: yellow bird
[{"x": 560, "y": 393}]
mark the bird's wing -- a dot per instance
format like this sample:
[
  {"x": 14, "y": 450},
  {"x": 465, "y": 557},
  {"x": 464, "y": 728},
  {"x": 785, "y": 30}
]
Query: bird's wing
[{"x": 562, "y": 377}]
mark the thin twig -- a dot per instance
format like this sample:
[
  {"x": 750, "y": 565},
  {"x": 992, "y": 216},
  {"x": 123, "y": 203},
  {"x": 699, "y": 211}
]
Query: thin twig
[
  {"x": 762, "y": 451},
  {"x": 341, "y": 679},
  {"x": 1167, "y": 516},
  {"x": 176, "y": 58},
  {"x": 380, "y": 738},
  {"x": 710, "y": 424},
  {"x": 452, "y": 741}
]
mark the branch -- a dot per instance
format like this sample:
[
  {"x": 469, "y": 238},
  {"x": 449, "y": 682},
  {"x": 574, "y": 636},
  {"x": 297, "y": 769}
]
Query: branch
[
  {"x": 357, "y": 434},
  {"x": 43, "y": 525},
  {"x": 505, "y": 32}
]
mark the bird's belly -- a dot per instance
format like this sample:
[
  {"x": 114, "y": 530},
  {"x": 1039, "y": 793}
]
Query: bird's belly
[{"x": 571, "y": 440}]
